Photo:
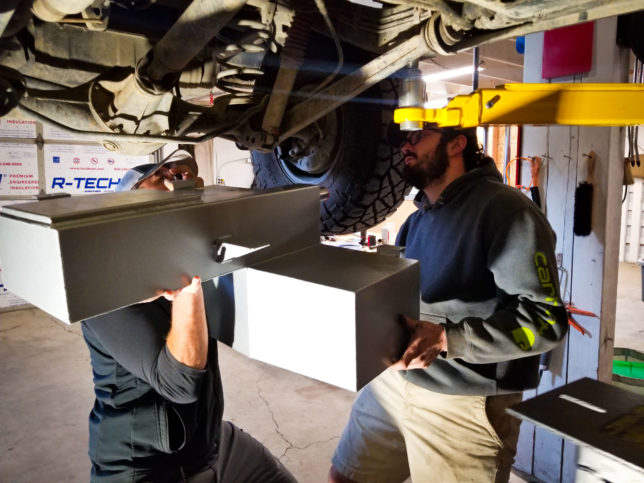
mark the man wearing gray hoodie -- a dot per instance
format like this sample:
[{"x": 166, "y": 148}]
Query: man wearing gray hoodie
[{"x": 490, "y": 303}]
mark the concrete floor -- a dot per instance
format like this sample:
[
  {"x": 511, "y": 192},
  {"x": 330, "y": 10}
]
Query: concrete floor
[{"x": 47, "y": 393}]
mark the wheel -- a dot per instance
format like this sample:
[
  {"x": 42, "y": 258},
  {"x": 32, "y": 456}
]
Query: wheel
[{"x": 346, "y": 152}]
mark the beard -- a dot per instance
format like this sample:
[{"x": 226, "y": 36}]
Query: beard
[{"x": 427, "y": 169}]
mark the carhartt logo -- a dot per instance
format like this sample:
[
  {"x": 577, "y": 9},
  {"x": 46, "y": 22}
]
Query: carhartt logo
[
  {"x": 546, "y": 281},
  {"x": 523, "y": 336},
  {"x": 541, "y": 262}
]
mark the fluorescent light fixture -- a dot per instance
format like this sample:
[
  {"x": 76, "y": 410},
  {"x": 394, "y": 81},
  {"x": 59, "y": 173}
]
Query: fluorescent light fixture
[{"x": 450, "y": 73}]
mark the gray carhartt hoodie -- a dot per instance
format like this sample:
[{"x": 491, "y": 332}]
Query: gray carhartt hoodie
[{"x": 488, "y": 272}]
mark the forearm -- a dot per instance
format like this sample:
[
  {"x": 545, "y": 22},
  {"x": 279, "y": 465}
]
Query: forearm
[
  {"x": 188, "y": 336},
  {"x": 510, "y": 333}
]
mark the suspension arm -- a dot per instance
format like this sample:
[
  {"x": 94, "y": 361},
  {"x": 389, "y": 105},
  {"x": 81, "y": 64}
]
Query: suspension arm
[{"x": 350, "y": 86}]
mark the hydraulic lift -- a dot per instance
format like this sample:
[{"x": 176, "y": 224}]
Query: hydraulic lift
[{"x": 569, "y": 104}]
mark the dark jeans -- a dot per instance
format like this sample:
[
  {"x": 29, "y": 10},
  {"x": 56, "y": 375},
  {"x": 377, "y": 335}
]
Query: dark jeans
[{"x": 241, "y": 458}]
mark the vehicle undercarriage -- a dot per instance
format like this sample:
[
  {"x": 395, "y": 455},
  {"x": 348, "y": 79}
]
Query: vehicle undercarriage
[{"x": 308, "y": 86}]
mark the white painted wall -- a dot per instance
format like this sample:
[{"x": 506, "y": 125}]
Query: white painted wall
[
  {"x": 221, "y": 162},
  {"x": 631, "y": 247},
  {"x": 232, "y": 166}
]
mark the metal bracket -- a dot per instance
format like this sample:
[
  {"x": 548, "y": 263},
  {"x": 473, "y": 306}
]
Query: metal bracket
[
  {"x": 180, "y": 184},
  {"x": 50, "y": 196},
  {"x": 219, "y": 249}
]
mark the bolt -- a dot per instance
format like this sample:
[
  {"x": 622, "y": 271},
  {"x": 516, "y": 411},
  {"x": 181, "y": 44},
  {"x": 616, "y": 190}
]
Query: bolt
[
  {"x": 492, "y": 101},
  {"x": 110, "y": 146}
]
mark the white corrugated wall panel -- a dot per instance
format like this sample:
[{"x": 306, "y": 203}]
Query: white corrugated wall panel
[{"x": 632, "y": 229}]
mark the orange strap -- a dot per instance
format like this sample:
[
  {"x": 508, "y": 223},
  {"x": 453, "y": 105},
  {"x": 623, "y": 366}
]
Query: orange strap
[{"x": 532, "y": 170}]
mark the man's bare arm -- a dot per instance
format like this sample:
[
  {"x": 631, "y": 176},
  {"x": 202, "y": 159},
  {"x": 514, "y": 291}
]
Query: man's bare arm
[{"x": 188, "y": 336}]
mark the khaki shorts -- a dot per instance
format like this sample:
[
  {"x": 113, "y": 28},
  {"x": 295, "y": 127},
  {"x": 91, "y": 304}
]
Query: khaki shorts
[{"x": 398, "y": 429}]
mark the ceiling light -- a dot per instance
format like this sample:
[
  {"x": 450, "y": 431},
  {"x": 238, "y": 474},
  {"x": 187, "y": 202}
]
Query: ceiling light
[
  {"x": 450, "y": 73},
  {"x": 436, "y": 103}
]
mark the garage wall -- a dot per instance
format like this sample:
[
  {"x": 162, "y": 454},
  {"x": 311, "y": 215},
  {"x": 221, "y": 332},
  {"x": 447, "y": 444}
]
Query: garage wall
[
  {"x": 631, "y": 247},
  {"x": 35, "y": 158},
  {"x": 221, "y": 162},
  {"x": 588, "y": 265},
  {"x": 231, "y": 165}
]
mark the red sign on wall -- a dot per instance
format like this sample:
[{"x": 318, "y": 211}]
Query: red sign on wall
[{"x": 567, "y": 51}]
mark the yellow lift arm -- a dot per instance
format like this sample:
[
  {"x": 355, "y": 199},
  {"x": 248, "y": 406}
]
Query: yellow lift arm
[{"x": 572, "y": 104}]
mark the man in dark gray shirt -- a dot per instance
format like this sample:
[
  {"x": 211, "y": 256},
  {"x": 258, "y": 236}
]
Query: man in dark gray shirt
[
  {"x": 159, "y": 401},
  {"x": 490, "y": 303}
]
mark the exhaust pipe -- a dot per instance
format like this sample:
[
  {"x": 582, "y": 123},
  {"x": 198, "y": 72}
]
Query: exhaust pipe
[{"x": 196, "y": 26}]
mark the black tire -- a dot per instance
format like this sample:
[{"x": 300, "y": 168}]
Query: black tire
[{"x": 363, "y": 172}]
